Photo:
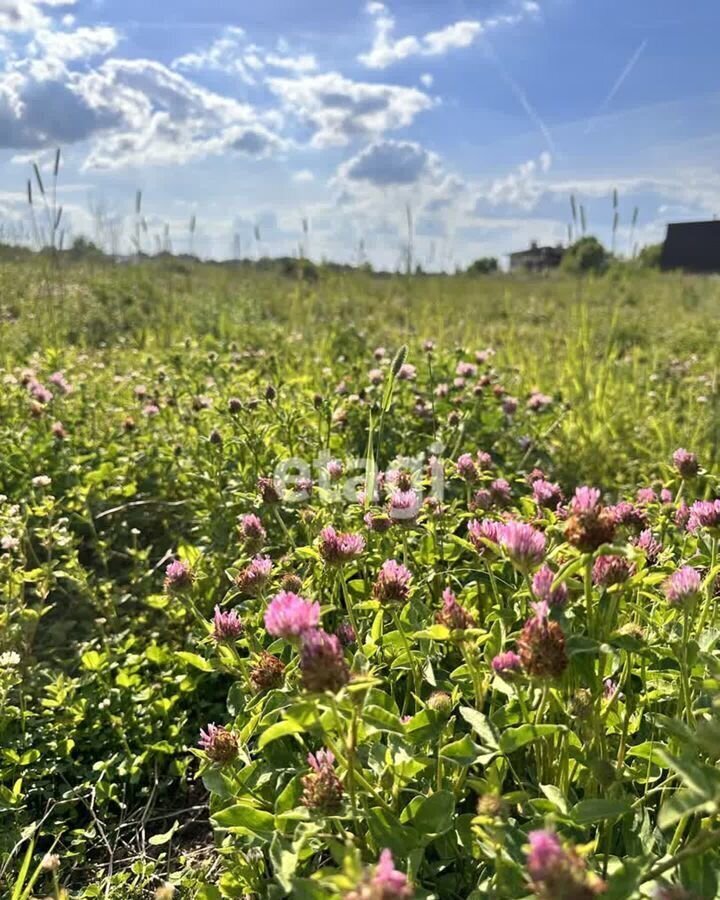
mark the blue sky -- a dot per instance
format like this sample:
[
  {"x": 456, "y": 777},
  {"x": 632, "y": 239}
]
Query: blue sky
[{"x": 480, "y": 116}]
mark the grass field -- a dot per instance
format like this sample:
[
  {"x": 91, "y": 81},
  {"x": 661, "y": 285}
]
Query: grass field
[{"x": 509, "y": 685}]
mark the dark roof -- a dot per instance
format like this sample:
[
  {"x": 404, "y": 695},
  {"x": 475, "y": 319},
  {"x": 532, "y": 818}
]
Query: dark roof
[{"x": 694, "y": 246}]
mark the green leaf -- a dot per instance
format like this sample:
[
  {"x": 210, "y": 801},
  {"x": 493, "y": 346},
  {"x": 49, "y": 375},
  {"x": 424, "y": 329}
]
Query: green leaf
[
  {"x": 463, "y": 752},
  {"x": 388, "y": 831},
  {"x": 482, "y": 726},
  {"x": 280, "y": 730},
  {"x": 158, "y": 840},
  {"x": 515, "y": 738},
  {"x": 683, "y": 803},
  {"x": 586, "y": 812},
  {"x": 435, "y": 813},
  {"x": 197, "y": 662},
  {"x": 245, "y": 819},
  {"x": 382, "y": 720},
  {"x": 556, "y": 797}
]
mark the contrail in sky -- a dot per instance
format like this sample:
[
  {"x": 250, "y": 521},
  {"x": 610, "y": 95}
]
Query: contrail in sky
[
  {"x": 522, "y": 99},
  {"x": 624, "y": 75}
]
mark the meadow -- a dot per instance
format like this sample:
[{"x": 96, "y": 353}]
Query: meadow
[{"x": 357, "y": 587}]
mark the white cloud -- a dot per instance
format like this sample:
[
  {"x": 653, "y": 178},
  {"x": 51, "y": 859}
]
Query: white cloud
[
  {"x": 133, "y": 112},
  {"x": 339, "y": 110},
  {"x": 520, "y": 189},
  {"x": 387, "y": 49},
  {"x": 26, "y": 15},
  {"x": 390, "y": 163},
  {"x": 303, "y": 176},
  {"x": 427, "y": 80},
  {"x": 231, "y": 53},
  {"x": 67, "y": 46}
]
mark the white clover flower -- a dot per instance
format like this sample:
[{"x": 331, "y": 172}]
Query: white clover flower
[
  {"x": 41, "y": 481},
  {"x": 9, "y": 660}
]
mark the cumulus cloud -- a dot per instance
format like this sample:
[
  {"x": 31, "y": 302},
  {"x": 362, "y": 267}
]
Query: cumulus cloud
[
  {"x": 67, "y": 46},
  {"x": 387, "y": 163},
  {"x": 388, "y": 49},
  {"x": 520, "y": 189},
  {"x": 27, "y": 15},
  {"x": 303, "y": 176},
  {"x": 133, "y": 111},
  {"x": 233, "y": 54},
  {"x": 340, "y": 110}
]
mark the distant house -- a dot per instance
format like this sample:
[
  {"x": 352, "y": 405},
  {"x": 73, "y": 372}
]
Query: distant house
[
  {"x": 692, "y": 246},
  {"x": 536, "y": 259}
]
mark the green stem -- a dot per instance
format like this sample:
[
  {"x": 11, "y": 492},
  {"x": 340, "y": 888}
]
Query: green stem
[{"x": 413, "y": 665}]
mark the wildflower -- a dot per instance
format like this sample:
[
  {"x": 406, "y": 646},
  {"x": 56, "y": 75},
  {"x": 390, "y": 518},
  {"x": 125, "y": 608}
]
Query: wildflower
[
  {"x": 58, "y": 431},
  {"x": 483, "y": 533},
  {"x": 379, "y": 522},
  {"x": 500, "y": 492},
  {"x": 8, "y": 543},
  {"x": 509, "y": 406},
  {"x": 546, "y": 494},
  {"x": 128, "y": 424},
  {"x": 151, "y": 410},
  {"x": 557, "y": 872},
  {"x": 581, "y": 704},
  {"x": 376, "y": 376},
  {"x": 255, "y": 576},
  {"x": 392, "y": 584},
  {"x": 542, "y": 586},
  {"x": 428, "y": 346},
  {"x": 322, "y": 664},
  {"x": 39, "y": 392},
  {"x": 220, "y": 744},
  {"x": 650, "y": 546},
  {"x": 538, "y": 402},
  {"x": 666, "y": 497},
  {"x": 610, "y": 570},
  {"x": 542, "y": 645},
  {"x": 216, "y": 438},
  {"x": 166, "y": 891},
  {"x": 252, "y": 531},
  {"x": 234, "y": 405},
  {"x": 682, "y": 587},
  {"x": 404, "y": 506},
  {"x": 178, "y": 577},
  {"x": 682, "y": 515},
  {"x": 686, "y": 463},
  {"x": 589, "y": 524},
  {"x": 484, "y": 460},
  {"x": 466, "y": 467},
  {"x": 337, "y": 548},
  {"x": 268, "y": 490},
  {"x": 481, "y": 500},
  {"x": 673, "y": 892},
  {"x": 9, "y": 660},
  {"x": 524, "y": 546},
  {"x": 384, "y": 883},
  {"x": 322, "y": 789},
  {"x": 704, "y": 514},
  {"x": 267, "y": 673},
  {"x": 227, "y": 627},
  {"x": 380, "y": 353},
  {"x": 200, "y": 402},
  {"x": 505, "y": 664},
  {"x": 50, "y": 862},
  {"x": 440, "y": 702},
  {"x": 289, "y": 616},
  {"x": 442, "y": 390},
  {"x": 335, "y": 469},
  {"x": 41, "y": 481},
  {"x": 453, "y": 419},
  {"x": 292, "y": 583},
  {"x": 452, "y": 615},
  {"x": 407, "y": 372},
  {"x": 628, "y": 514},
  {"x": 646, "y": 495},
  {"x": 491, "y": 806},
  {"x": 610, "y": 689},
  {"x": 346, "y": 634}
]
